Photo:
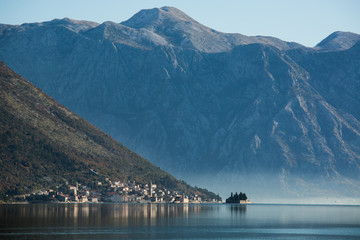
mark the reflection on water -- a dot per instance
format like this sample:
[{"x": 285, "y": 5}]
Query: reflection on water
[
  {"x": 94, "y": 214},
  {"x": 238, "y": 209},
  {"x": 172, "y": 221},
  {"x": 79, "y": 214}
]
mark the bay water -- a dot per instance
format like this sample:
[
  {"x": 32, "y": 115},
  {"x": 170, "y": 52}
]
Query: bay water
[{"x": 178, "y": 221}]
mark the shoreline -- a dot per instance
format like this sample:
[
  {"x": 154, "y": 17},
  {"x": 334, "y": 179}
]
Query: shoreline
[
  {"x": 202, "y": 203},
  {"x": 155, "y": 203}
]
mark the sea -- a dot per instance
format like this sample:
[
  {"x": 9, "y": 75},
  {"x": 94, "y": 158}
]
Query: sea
[{"x": 178, "y": 221}]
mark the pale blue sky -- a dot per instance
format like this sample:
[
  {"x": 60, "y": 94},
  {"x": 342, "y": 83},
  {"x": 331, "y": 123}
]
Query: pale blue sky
[{"x": 303, "y": 21}]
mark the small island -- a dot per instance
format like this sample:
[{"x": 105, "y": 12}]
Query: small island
[{"x": 240, "y": 198}]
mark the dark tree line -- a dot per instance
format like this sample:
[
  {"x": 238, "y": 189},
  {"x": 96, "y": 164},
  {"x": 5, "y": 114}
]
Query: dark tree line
[{"x": 236, "y": 198}]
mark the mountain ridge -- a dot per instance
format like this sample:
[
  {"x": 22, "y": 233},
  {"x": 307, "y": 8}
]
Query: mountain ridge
[
  {"x": 170, "y": 14},
  {"x": 282, "y": 120}
]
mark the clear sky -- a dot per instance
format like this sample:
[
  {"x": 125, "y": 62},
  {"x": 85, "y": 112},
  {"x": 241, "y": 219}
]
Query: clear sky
[{"x": 303, "y": 21}]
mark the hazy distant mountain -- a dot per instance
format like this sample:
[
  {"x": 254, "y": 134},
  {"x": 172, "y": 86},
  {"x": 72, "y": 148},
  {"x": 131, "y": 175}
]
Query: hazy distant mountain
[
  {"x": 229, "y": 111},
  {"x": 43, "y": 144}
]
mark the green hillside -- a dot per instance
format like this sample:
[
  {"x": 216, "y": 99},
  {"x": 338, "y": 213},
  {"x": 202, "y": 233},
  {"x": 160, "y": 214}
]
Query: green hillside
[{"x": 43, "y": 144}]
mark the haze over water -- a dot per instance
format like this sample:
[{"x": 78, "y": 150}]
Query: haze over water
[{"x": 171, "y": 221}]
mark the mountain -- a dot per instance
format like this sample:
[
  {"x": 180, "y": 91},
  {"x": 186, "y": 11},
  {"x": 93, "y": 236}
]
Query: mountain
[
  {"x": 43, "y": 144},
  {"x": 176, "y": 28},
  {"x": 226, "y": 111},
  {"x": 338, "y": 41}
]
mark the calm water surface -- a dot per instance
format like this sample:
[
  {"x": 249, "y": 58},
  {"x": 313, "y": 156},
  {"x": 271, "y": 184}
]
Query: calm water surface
[{"x": 168, "y": 221}]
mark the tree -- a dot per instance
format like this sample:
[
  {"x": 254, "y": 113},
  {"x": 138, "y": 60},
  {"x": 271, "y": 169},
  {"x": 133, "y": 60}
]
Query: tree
[{"x": 236, "y": 198}]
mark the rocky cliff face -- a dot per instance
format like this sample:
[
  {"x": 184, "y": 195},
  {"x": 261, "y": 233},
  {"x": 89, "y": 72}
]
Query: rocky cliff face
[{"x": 216, "y": 109}]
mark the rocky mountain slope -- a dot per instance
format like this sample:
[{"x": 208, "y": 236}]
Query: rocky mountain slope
[
  {"x": 225, "y": 110},
  {"x": 43, "y": 144}
]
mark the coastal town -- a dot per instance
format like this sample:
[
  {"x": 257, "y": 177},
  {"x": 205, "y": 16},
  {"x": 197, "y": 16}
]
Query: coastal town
[{"x": 112, "y": 192}]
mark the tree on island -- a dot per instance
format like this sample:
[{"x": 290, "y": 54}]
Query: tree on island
[{"x": 236, "y": 198}]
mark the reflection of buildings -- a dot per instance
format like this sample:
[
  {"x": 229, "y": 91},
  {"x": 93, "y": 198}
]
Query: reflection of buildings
[
  {"x": 150, "y": 211},
  {"x": 121, "y": 213},
  {"x": 85, "y": 210},
  {"x": 104, "y": 215}
]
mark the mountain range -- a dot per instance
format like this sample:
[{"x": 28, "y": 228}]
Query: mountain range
[{"x": 226, "y": 111}]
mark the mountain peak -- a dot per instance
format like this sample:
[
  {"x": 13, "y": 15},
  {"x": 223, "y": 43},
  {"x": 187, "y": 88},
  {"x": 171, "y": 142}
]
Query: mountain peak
[
  {"x": 149, "y": 18},
  {"x": 178, "y": 29},
  {"x": 175, "y": 13},
  {"x": 338, "y": 41}
]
